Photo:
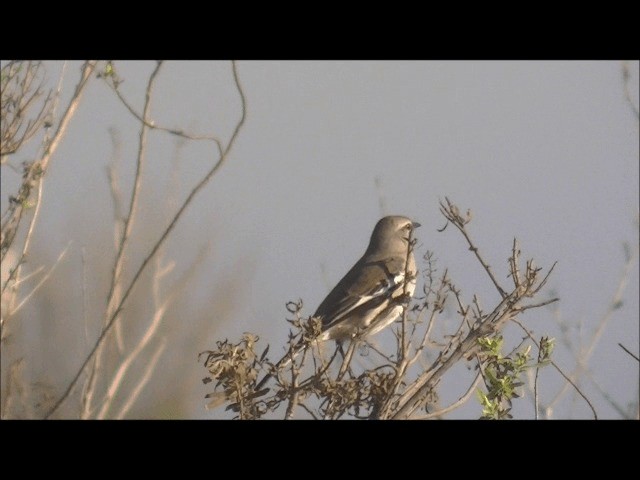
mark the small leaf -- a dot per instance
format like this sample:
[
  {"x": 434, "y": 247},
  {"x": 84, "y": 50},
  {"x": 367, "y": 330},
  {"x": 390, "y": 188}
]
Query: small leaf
[{"x": 264, "y": 354}]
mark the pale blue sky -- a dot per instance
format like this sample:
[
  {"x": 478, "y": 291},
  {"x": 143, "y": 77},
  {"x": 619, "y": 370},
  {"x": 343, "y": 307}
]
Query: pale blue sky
[{"x": 544, "y": 151}]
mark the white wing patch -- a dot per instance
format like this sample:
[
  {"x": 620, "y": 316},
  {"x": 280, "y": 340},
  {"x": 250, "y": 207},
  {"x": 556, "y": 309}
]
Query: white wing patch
[{"x": 387, "y": 288}]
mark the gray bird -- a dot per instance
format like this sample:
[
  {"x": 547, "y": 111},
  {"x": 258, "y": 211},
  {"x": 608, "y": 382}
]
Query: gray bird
[
  {"x": 367, "y": 297},
  {"x": 370, "y": 296}
]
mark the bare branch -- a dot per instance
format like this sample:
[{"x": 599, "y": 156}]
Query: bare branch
[
  {"x": 461, "y": 401},
  {"x": 159, "y": 243},
  {"x": 452, "y": 214},
  {"x": 535, "y": 389},
  {"x": 538, "y": 305},
  {"x": 114, "y": 84},
  {"x": 130, "y": 217}
]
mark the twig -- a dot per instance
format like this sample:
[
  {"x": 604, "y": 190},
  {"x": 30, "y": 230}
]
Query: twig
[
  {"x": 537, "y": 305},
  {"x": 543, "y": 282},
  {"x": 346, "y": 361},
  {"x": 293, "y": 398},
  {"x": 513, "y": 263},
  {"x": 456, "y": 404},
  {"x": 144, "y": 119},
  {"x": 627, "y": 350},
  {"x": 324, "y": 368},
  {"x": 384, "y": 356},
  {"x": 535, "y": 387},
  {"x": 159, "y": 243},
  {"x": 308, "y": 411},
  {"x": 438, "y": 306},
  {"x": 451, "y": 213},
  {"x": 595, "y": 415}
]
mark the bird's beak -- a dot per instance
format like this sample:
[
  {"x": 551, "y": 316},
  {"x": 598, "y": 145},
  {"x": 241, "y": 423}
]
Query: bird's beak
[{"x": 415, "y": 224}]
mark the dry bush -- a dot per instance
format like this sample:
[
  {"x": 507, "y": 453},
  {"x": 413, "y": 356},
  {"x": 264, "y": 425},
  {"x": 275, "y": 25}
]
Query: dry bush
[{"x": 402, "y": 383}]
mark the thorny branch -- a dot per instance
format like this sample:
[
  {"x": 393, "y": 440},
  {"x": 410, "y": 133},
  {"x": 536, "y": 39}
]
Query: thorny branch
[{"x": 452, "y": 214}]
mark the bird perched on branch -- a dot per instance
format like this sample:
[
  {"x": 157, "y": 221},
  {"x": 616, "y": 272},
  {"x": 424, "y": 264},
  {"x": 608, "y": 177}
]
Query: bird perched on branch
[{"x": 372, "y": 294}]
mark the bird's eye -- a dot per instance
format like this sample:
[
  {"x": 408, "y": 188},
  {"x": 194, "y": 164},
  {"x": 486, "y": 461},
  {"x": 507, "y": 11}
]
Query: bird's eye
[{"x": 407, "y": 226}]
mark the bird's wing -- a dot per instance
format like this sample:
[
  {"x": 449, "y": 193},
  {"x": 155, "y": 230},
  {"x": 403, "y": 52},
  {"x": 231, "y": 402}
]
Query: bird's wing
[{"x": 367, "y": 281}]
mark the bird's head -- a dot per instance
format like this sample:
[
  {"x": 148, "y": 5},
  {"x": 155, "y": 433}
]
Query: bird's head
[{"x": 392, "y": 233}]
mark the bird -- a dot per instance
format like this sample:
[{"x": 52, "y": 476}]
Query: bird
[{"x": 372, "y": 293}]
